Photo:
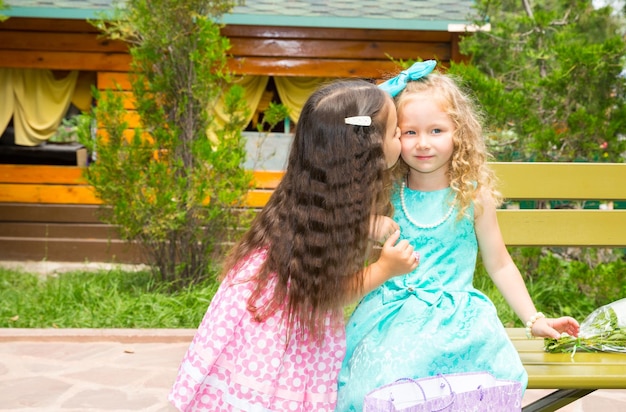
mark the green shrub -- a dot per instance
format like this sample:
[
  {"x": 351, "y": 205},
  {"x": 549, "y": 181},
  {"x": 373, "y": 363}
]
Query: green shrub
[
  {"x": 561, "y": 285},
  {"x": 172, "y": 185}
]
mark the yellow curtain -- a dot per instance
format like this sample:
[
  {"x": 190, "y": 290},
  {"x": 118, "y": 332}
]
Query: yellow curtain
[
  {"x": 253, "y": 86},
  {"x": 39, "y": 103},
  {"x": 82, "y": 97},
  {"x": 294, "y": 91},
  {"x": 6, "y": 98}
]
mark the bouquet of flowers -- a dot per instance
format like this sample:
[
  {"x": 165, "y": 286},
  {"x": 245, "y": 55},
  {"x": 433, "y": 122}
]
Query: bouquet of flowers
[{"x": 604, "y": 330}]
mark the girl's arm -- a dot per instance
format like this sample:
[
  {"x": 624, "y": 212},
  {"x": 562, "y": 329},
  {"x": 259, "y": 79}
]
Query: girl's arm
[
  {"x": 381, "y": 227},
  {"x": 507, "y": 278},
  {"x": 395, "y": 259}
]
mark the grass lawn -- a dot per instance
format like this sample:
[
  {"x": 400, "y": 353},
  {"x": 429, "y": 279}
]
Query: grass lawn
[
  {"x": 101, "y": 299},
  {"x": 121, "y": 298}
]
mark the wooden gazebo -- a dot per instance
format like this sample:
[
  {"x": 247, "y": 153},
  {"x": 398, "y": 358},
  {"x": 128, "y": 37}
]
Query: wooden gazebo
[{"x": 338, "y": 39}]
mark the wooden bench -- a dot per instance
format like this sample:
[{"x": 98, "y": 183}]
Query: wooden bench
[
  {"x": 571, "y": 377},
  {"x": 600, "y": 226}
]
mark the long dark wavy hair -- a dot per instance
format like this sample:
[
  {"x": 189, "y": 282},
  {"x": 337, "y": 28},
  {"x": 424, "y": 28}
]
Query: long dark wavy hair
[{"x": 315, "y": 226}]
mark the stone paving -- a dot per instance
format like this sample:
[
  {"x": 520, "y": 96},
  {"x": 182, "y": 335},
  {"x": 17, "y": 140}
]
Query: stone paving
[{"x": 88, "y": 370}]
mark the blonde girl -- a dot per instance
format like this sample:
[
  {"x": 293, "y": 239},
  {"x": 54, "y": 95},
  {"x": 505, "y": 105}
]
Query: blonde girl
[{"x": 433, "y": 320}]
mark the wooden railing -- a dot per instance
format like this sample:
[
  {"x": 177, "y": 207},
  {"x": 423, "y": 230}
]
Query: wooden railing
[
  {"x": 51, "y": 213},
  {"x": 66, "y": 185}
]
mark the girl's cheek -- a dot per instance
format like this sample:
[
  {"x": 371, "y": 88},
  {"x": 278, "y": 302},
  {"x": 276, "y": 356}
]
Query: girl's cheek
[{"x": 406, "y": 143}]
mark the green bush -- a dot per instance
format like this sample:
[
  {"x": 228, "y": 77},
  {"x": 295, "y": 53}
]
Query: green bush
[
  {"x": 548, "y": 75},
  {"x": 172, "y": 184},
  {"x": 561, "y": 285}
]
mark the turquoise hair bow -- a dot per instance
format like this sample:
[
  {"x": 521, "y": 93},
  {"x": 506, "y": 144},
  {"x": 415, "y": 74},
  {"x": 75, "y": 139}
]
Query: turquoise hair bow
[{"x": 420, "y": 69}]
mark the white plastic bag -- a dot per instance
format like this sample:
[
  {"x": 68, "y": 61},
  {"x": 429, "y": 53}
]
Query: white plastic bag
[{"x": 604, "y": 330}]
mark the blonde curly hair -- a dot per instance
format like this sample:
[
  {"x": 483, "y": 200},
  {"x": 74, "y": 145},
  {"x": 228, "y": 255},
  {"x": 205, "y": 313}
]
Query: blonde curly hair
[{"x": 469, "y": 173}]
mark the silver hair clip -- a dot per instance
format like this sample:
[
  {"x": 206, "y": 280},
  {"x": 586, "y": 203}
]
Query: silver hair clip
[{"x": 359, "y": 120}]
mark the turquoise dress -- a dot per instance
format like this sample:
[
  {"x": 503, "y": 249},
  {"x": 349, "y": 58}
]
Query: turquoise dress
[{"x": 431, "y": 320}]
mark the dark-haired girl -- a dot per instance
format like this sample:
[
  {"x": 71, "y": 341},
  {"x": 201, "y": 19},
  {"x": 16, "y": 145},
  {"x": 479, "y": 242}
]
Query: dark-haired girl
[{"x": 273, "y": 337}]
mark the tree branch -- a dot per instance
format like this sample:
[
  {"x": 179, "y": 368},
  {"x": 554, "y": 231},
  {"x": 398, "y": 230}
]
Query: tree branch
[{"x": 528, "y": 9}]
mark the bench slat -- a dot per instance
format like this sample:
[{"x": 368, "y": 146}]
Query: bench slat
[
  {"x": 573, "y": 181},
  {"x": 563, "y": 227},
  {"x": 597, "y": 370}
]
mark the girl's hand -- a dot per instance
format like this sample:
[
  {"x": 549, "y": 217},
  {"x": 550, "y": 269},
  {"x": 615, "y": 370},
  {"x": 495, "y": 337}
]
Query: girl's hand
[
  {"x": 397, "y": 258},
  {"x": 381, "y": 227},
  {"x": 553, "y": 327}
]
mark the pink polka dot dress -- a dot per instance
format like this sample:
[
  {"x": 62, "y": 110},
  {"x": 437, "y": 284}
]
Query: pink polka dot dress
[{"x": 237, "y": 364}]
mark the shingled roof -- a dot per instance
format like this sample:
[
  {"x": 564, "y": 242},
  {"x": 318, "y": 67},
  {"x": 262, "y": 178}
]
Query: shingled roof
[{"x": 439, "y": 15}]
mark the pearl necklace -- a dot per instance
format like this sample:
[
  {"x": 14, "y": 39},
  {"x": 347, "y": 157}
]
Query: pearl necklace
[{"x": 419, "y": 225}]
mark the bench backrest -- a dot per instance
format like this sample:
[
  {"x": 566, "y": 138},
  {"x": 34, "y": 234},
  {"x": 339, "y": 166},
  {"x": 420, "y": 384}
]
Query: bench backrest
[
  {"x": 525, "y": 185},
  {"x": 604, "y": 183}
]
